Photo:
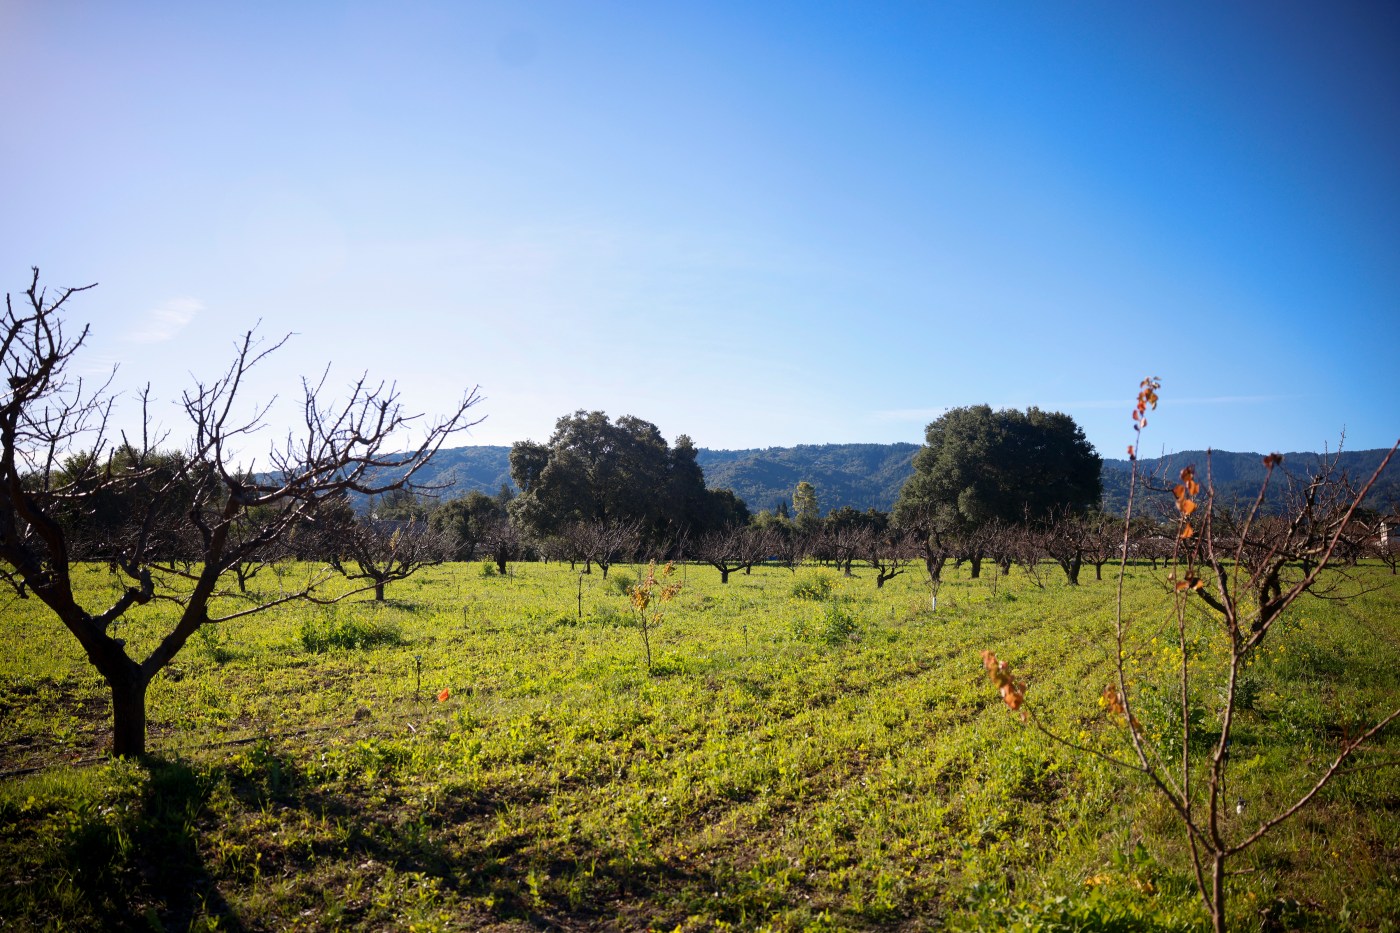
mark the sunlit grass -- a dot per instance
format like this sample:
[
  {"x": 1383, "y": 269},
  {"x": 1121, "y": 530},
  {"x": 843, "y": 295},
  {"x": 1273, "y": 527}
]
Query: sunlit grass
[{"x": 809, "y": 752}]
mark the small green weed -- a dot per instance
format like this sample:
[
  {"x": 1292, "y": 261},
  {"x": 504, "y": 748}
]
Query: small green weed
[
  {"x": 840, "y": 624},
  {"x": 621, "y": 583},
  {"x": 214, "y": 646}
]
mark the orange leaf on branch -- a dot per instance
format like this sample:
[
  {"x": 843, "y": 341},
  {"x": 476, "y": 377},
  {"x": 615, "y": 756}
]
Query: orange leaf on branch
[
  {"x": 1113, "y": 700},
  {"x": 1012, "y": 693}
]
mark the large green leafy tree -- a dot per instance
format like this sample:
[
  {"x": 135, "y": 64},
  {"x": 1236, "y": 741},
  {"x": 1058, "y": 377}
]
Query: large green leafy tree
[
  {"x": 596, "y": 470},
  {"x": 980, "y": 466},
  {"x": 469, "y": 523}
]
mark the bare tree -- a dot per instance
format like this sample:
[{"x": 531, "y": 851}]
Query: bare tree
[
  {"x": 1066, "y": 537},
  {"x": 755, "y": 544},
  {"x": 789, "y": 546},
  {"x": 931, "y": 534},
  {"x": 382, "y": 551},
  {"x": 1103, "y": 540},
  {"x": 228, "y": 515},
  {"x": 1029, "y": 547},
  {"x": 603, "y": 541},
  {"x": 888, "y": 552},
  {"x": 1246, "y": 570},
  {"x": 723, "y": 549},
  {"x": 503, "y": 541}
]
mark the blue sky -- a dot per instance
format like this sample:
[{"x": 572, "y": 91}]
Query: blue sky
[{"x": 756, "y": 224}]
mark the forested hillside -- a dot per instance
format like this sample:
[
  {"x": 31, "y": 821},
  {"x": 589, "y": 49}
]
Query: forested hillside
[
  {"x": 870, "y": 475},
  {"x": 859, "y": 475},
  {"x": 463, "y": 469},
  {"x": 1236, "y": 476}
]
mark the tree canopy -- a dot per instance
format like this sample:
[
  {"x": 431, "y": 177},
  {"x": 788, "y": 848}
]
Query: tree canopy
[
  {"x": 978, "y": 466},
  {"x": 596, "y": 470}
]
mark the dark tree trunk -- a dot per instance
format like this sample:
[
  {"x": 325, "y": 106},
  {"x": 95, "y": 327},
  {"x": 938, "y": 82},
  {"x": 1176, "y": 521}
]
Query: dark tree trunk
[
  {"x": 379, "y": 591},
  {"x": 129, "y": 714},
  {"x": 501, "y": 564},
  {"x": 934, "y": 566},
  {"x": 1071, "y": 567},
  {"x": 724, "y": 574},
  {"x": 975, "y": 561}
]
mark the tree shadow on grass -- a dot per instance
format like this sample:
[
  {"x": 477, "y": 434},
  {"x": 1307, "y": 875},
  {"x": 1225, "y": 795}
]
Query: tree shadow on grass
[
  {"x": 169, "y": 860},
  {"x": 455, "y": 841},
  {"x": 138, "y": 868}
]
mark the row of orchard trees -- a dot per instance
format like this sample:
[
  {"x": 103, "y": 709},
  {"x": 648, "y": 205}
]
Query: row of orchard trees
[
  {"x": 601, "y": 491},
  {"x": 1013, "y": 488}
]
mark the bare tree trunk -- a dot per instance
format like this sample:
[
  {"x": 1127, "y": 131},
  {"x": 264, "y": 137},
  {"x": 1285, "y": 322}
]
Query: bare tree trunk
[
  {"x": 1217, "y": 894},
  {"x": 128, "y": 714},
  {"x": 378, "y": 591},
  {"x": 976, "y": 563},
  {"x": 934, "y": 566},
  {"x": 1071, "y": 566}
]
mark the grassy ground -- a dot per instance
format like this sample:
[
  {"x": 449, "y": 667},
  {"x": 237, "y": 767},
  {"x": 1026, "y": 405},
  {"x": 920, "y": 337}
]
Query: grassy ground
[{"x": 838, "y": 762}]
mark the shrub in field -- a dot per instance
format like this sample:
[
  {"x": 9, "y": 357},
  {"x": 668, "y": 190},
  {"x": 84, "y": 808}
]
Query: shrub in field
[
  {"x": 840, "y": 624},
  {"x": 648, "y": 601},
  {"x": 215, "y": 647},
  {"x": 622, "y": 583},
  {"x": 334, "y": 631},
  {"x": 816, "y": 585},
  {"x": 488, "y": 569}
]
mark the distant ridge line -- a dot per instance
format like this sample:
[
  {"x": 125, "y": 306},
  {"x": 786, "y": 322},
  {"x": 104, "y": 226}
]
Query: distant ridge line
[{"x": 865, "y": 476}]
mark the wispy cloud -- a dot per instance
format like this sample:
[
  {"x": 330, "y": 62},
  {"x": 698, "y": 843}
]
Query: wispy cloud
[{"x": 164, "y": 322}]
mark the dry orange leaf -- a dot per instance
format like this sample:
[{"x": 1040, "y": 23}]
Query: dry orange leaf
[{"x": 1012, "y": 693}]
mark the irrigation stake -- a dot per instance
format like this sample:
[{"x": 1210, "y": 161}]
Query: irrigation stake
[{"x": 418, "y": 666}]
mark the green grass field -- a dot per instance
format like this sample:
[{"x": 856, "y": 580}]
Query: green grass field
[{"x": 839, "y": 762}]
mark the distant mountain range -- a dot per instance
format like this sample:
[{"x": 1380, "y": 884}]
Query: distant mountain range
[
  {"x": 870, "y": 475},
  {"x": 1237, "y": 476}
]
